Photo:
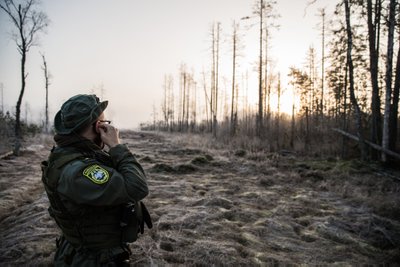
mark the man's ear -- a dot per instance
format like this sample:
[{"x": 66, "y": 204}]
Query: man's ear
[{"x": 96, "y": 127}]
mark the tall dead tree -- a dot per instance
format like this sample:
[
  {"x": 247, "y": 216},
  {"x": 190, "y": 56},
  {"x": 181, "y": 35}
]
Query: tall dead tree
[
  {"x": 373, "y": 35},
  {"x": 184, "y": 78},
  {"x": 278, "y": 116},
  {"x": 182, "y": 97},
  {"x": 168, "y": 101},
  {"x": 47, "y": 77},
  {"x": 187, "y": 101},
  {"x": 264, "y": 10},
  {"x": 259, "y": 122},
  {"x": 395, "y": 103},
  {"x": 345, "y": 122},
  {"x": 171, "y": 105},
  {"x": 293, "y": 121},
  {"x": 350, "y": 65},
  {"x": 312, "y": 94},
  {"x": 194, "y": 105},
  {"x": 164, "y": 106},
  {"x": 215, "y": 33},
  {"x": 207, "y": 101},
  {"x": 234, "y": 86},
  {"x": 29, "y": 22},
  {"x": 270, "y": 17},
  {"x": 388, "y": 77},
  {"x": 267, "y": 84},
  {"x": 212, "y": 94},
  {"x": 322, "y": 63}
]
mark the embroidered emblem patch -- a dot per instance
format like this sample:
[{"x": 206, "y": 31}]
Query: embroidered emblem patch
[{"x": 96, "y": 174}]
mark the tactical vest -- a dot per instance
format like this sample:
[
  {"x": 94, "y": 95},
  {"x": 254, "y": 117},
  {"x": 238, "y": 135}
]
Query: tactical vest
[{"x": 86, "y": 226}]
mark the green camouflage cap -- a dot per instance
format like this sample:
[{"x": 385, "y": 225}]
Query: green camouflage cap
[{"x": 77, "y": 112}]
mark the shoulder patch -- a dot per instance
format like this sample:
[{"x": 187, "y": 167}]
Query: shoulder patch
[{"x": 96, "y": 174}]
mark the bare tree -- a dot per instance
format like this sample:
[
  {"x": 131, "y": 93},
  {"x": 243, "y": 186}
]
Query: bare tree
[
  {"x": 388, "y": 79},
  {"x": 215, "y": 33},
  {"x": 47, "y": 77},
  {"x": 234, "y": 86},
  {"x": 373, "y": 35},
  {"x": 184, "y": 76},
  {"x": 312, "y": 94},
  {"x": 322, "y": 63},
  {"x": 267, "y": 84},
  {"x": 207, "y": 100},
  {"x": 264, "y": 9},
  {"x": 278, "y": 115},
  {"x": 187, "y": 101},
  {"x": 260, "y": 75},
  {"x": 193, "y": 104},
  {"x": 29, "y": 22},
  {"x": 351, "y": 81},
  {"x": 395, "y": 104},
  {"x": 164, "y": 105},
  {"x": 167, "y": 105}
]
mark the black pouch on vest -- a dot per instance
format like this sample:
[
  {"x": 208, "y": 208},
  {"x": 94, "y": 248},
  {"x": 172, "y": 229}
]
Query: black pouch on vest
[{"x": 129, "y": 223}]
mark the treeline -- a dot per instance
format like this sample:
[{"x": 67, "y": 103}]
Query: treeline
[
  {"x": 7, "y": 126},
  {"x": 350, "y": 89}
]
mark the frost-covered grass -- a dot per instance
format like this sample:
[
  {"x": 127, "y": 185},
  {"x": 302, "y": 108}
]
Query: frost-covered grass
[{"x": 215, "y": 204}]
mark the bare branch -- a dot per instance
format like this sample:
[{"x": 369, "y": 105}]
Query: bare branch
[{"x": 7, "y": 9}]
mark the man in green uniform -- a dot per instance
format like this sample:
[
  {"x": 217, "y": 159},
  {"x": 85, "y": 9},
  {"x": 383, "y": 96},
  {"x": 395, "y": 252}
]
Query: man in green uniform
[{"x": 95, "y": 196}]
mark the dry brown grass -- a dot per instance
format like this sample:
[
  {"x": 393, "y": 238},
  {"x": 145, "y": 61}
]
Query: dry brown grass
[{"x": 248, "y": 208}]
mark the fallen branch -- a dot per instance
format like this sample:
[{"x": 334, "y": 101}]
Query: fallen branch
[
  {"x": 375, "y": 146},
  {"x": 2, "y": 156}
]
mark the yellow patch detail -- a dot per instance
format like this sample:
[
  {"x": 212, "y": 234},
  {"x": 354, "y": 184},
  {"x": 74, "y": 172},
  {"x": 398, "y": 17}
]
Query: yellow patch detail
[{"x": 96, "y": 174}]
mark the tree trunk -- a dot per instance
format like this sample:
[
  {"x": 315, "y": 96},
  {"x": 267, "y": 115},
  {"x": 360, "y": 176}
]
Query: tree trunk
[
  {"x": 212, "y": 100},
  {"x": 189, "y": 79},
  {"x": 207, "y": 101},
  {"x": 214, "y": 77},
  {"x": 266, "y": 88},
  {"x": 292, "y": 127},
  {"x": 215, "y": 123},
  {"x": 233, "y": 126},
  {"x": 278, "y": 113},
  {"x": 164, "y": 106},
  {"x": 395, "y": 107},
  {"x": 46, "y": 77},
  {"x": 307, "y": 137},
  {"x": 345, "y": 123},
  {"x": 323, "y": 63},
  {"x": 184, "y": 101},
  {"x": 18, "y": 134},
  {"x": 388, "y": 78},
  {"x": 373, "y": 68},
  {"x": 259, "y": 120},
  {"x": 351, "y": 81}
]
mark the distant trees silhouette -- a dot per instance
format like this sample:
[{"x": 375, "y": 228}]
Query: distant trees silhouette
[{"x": 341, "y": 90}]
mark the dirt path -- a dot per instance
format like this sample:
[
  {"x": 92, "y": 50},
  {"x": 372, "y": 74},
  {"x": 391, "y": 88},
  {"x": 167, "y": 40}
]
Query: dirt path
[{"x": 221, "y": 207}]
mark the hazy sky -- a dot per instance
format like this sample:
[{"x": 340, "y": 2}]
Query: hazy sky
[{"x": 127, "y": 46}]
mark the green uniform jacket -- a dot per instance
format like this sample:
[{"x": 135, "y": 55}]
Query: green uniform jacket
[
  {"x": 93, "y": 193},
  {"x": 90, "y": 182}
]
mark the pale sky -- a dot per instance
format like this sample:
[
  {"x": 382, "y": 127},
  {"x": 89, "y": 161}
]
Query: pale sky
[{"x": 127, "y": 46}]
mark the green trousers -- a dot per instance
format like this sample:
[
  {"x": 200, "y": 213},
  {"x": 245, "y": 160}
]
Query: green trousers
[{"x": 67, "y": 255}]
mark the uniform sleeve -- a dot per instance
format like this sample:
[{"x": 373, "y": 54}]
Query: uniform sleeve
[{"x": 93, "y": 183}]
